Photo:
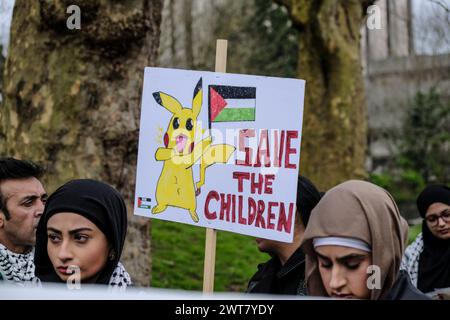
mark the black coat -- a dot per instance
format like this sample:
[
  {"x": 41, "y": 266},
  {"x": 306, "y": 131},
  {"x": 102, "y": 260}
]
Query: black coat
[
  {"x": 273, "y": 278},
  {"x": 403, "y": 289}
]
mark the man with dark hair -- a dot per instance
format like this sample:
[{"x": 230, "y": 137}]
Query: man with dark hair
[
  {"x": 285, "y": 272},
  {"x": 22, "y": 199}
]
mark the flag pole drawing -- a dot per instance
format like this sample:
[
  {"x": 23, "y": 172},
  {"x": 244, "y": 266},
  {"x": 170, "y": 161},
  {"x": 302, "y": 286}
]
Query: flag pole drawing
[{"x": 175, "y": 186}]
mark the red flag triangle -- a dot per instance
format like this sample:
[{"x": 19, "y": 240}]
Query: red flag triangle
[{"x": 217, "y": 103}]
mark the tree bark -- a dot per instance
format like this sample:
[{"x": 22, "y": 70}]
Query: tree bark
[
  {"x": 71, "y": 97},
  {"x": 334, "y": 125},
  {"x": 188, "y": 44},
  {"x": 173, "y": 39},
  {"x": 2, "y": 65}
]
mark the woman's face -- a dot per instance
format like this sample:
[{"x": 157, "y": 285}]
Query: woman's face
[
  {"x": 344, "y": 271},
  {"x": 74, "y": 240},
  {"x": 438, "y": 220}
]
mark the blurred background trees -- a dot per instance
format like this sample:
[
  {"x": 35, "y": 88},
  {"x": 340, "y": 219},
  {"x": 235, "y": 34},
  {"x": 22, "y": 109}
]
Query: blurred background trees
[
  {"x": 319, "y": 43},
  {"x": 376, "y": 105},
  {"x": 407, "y": 74}
]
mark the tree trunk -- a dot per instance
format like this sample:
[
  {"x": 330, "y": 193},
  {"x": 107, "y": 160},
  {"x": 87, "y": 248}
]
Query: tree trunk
[
  {"x": 2, "y": 65},
  {"x": 188, "y": 44},
  {"x": 173, "y": 39},
  {"x": 335, "y": 125},
  {"x": 71, "y": 97}
]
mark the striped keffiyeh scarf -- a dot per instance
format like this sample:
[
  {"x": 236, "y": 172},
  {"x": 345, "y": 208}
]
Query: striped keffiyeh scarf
[
  {"x": 19, "y": 269},
  {"x": 120, "y": 278},
  {"x": 16, "y": 267},
  {"x": 410, "y": 261}
]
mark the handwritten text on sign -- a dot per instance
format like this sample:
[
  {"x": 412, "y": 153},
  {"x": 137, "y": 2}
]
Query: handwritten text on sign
[{"x": 220, "y": 151}]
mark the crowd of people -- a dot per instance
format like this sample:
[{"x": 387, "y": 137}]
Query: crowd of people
[{"x": 349, "y": 242}]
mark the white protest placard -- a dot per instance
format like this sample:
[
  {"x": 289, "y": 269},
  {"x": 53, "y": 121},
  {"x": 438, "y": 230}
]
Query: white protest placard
[{"x": 220, "y": 150}]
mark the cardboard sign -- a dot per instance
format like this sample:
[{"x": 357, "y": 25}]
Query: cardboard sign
[{"x": 220, "y": 150}]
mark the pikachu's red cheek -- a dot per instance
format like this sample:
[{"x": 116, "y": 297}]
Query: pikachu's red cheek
[{"x": 166, "y": 139}]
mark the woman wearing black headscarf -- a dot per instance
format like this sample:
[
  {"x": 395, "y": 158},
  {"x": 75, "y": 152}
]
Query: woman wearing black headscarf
[
  {"x": 427, "y": 259},
  {"x": 83, "y": 229}
]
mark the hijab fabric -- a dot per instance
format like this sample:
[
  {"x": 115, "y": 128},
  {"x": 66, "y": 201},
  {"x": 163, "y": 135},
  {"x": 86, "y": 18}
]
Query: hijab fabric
[
  {"x": 307, "y": 198},
  {"x": 96, "y": 201},
  {"x": 363, "y": 211},
  {"x": 434, "y": 260}
]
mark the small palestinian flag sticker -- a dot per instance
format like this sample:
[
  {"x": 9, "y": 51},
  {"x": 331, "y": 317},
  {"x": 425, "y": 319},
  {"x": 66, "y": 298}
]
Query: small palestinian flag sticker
[
  {"x": 231, "y": 103},
  {"x": 144, "y": 203}
]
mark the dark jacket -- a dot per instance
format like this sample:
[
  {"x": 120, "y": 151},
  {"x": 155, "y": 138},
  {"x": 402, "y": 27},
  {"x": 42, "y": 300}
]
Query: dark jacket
[
  {"x": 403, "y": 289},
  {"x": 273, "y": 278}
]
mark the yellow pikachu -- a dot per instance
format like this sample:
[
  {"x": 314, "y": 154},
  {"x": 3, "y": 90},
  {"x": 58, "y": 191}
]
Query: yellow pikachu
[{"x": 175, "y": 185}]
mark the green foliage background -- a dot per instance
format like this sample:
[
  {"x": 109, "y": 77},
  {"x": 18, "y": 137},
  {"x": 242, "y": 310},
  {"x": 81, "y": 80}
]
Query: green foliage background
[
  {"x": 422, "y": 158},
  {"x": 178, "y": 254}
]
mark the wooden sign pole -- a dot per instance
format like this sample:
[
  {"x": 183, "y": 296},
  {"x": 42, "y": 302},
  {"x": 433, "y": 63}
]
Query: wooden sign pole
[{"x": 211, "y": 234}]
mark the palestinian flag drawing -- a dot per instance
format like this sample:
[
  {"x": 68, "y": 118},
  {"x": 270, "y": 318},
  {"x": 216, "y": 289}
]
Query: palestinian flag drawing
[
  {"x": 231, "y": 104},
  {"x": 144, "y": 203}
]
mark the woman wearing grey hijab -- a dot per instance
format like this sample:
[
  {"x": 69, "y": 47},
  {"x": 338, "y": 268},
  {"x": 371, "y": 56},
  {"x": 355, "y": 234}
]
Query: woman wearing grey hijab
[{"x": 354, "y": 244}]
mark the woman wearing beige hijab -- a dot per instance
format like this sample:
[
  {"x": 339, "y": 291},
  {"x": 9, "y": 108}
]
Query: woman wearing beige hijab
[{"x": 354, "y": 243}]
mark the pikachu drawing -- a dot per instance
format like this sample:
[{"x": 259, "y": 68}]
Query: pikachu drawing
[{"x": 175, "y": 186}]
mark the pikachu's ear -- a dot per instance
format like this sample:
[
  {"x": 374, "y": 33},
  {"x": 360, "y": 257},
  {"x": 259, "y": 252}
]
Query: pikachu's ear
[
  {"x": 168, "y": 102},
  {"x": 197, "y": 100}
]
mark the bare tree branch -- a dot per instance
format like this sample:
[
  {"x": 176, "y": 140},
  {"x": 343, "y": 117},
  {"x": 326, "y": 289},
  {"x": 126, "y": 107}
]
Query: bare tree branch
[{"x": 441, "y": 4}]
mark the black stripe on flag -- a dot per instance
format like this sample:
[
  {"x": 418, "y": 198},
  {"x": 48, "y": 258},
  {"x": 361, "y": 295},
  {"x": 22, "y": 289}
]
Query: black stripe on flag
[{"x": 232, "y": 92}]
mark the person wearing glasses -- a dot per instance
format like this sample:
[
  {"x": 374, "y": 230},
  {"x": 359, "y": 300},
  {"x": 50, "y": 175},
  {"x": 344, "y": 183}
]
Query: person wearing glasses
[{"x": 427, "y": 259}]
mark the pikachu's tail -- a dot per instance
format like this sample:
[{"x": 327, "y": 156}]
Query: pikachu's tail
[{"x": 219, "y": 153}]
